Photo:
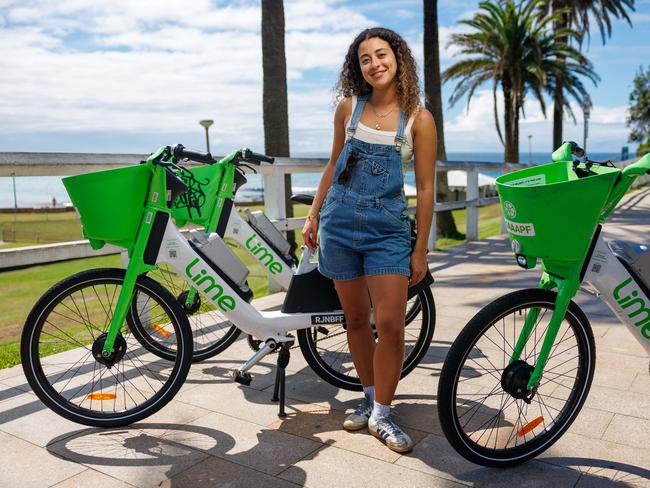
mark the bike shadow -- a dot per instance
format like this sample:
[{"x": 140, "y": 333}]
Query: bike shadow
[{"x": 173, "y": 455}]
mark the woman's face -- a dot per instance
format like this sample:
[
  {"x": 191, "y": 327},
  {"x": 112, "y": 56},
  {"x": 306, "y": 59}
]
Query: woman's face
[{"x": 378, "y": 62}]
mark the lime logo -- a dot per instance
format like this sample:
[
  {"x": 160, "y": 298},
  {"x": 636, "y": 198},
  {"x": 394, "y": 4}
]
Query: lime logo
[
  {"x": 225, "y": 302},
  {"x": 630, "y": 300},
  {"x": 258, "y": 250},
  {"x": 510, "y": 209}
]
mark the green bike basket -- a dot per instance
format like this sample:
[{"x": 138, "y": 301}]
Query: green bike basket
[
  {"x": 550, "y": 212},
  {"x": 197, "y": 204},
  {"x": 110, "y": 203}
]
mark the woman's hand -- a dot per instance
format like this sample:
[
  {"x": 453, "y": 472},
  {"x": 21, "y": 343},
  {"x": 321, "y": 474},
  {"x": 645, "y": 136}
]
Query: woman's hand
[
  {"x": 310, "y": 232},
  {"x": 418, "y": 267}
]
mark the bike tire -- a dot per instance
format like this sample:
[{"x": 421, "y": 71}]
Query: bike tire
[
  {"x": 503, "y": 312},
  {"x": 63, "y": 327},
  {"x": 345, "y": 377}
]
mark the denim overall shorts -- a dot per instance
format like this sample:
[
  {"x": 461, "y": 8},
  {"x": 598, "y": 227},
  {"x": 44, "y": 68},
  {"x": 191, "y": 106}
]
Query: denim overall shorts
[{"x": 364, "y": 227}]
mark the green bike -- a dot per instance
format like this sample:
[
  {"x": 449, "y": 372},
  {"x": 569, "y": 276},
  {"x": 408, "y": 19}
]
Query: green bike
[{"x": 519, "y": 372}]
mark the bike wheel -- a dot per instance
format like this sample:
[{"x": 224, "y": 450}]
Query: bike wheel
[
  {"x": 326, "y": 349},
  {"x": 481, "y": 410},
  {"x": 212, "y": 332},
  {"x": 62, "y": 342}
]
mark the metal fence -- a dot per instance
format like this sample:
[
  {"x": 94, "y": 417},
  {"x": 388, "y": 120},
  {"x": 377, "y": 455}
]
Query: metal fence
[{"x": 62, "y": 164}]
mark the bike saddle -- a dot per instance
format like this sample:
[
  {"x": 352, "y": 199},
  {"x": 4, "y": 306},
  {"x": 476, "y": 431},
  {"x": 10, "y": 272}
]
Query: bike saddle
[{"x": 303, "y": 198}]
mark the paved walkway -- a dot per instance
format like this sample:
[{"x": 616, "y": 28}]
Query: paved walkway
[{"x": 217, "y": 433}]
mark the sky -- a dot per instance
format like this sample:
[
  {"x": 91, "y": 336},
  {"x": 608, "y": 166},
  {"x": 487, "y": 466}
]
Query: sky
[{"x": 128, "y": 76}]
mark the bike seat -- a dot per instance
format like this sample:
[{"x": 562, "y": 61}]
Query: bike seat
[
  {"x": 627, "y": 251},
  {"x": 303, "y": 198}
]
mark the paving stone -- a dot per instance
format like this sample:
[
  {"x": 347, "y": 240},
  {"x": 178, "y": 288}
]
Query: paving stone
[
  {"x": 25, "y": 465},
  {"x": 435, "y": 456},
  {"x": 629, "y": 403},
  {"x": 264, "y": 449},
  {"x": 331, "y": 466},
  {"x": 630, "y": 431},
  {"x": 238, "y": 401},
  {"x": 129, "y": 454},
  {"x": 7, "y": 373},
  {"x": 590, "y": 455},
  {"x": 591, "y": 422},
  {"x": 325, "y": 426},
  {"x": 215, "y": 472},
  {"x": 93, "y": 478}
]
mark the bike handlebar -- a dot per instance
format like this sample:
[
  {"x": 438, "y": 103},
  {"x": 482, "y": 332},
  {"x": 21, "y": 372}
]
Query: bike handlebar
[
  {"x": 179, "y": 152},
  {"x": 256, "y": 158}
]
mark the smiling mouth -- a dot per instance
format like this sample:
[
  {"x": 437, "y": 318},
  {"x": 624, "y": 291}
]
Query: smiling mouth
[{"x": 378, "y": 74}]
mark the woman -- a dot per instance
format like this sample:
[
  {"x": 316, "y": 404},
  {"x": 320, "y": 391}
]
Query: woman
[{"x": 364, "y": 229}]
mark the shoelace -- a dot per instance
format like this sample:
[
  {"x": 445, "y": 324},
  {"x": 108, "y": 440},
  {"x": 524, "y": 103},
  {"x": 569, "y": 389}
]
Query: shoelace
[
  {"x": 389, "y": 425},
  {"x": 364, "y": 408}
]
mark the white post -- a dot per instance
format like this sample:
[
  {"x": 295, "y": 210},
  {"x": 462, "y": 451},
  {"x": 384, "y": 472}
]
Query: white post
[
  {"x": 433, "y": 233},
  {"x": 472, "y": 208},
  {"x": 274, "y": 205}
]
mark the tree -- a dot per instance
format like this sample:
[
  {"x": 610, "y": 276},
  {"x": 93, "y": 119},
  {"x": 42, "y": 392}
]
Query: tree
[
  {"x": 511, "y": 47},
  {"x": 445, "y": 224},
  {"x": 576, "y": 14},
  {"x": 639, "y": 116},
  {"x": 274, "y": 97}
]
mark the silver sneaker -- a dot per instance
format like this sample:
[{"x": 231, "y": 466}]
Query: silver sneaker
[
  {"x": 386, "y": 430},
  {"x": 359, "y": 418}
]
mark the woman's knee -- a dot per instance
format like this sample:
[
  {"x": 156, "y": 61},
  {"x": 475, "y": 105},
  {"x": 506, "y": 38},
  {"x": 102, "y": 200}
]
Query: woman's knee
[
  {"x": 357, "y": 320},
  {"x": 391, "y": 331}
]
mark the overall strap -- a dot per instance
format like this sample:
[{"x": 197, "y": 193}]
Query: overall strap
[
  {"x": 356, "y": 115},
  {"x": 399, "y": 136}
]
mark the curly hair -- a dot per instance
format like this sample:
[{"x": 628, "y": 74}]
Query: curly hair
[{"x": 351, "y": 80}]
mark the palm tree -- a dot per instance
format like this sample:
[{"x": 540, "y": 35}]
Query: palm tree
[
  {"x": 445, "y": 223},
  {"x": 576, "y": 14},
  {"x": 274, "y": 97},
  {"x": 511, "y": 47}
]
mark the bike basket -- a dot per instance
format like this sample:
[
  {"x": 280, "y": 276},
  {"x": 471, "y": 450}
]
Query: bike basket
[
  {"x": 550, "y": 212},
  {"x": 110, "y": 203},
  {"x": 197, "y": 204}
]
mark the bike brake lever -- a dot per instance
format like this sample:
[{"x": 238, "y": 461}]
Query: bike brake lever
[{"x": 248, "y": 166}]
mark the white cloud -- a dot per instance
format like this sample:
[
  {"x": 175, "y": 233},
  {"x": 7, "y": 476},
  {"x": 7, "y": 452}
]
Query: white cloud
[{"x": 474, "y": 131}]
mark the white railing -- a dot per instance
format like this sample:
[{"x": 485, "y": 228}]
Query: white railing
[{"x": 62, "y": 164}]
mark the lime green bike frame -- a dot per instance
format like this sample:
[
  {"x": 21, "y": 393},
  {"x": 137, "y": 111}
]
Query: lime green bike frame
[{"x": 556, "y": 212}]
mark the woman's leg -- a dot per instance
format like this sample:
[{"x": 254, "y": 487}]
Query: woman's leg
[
  {"x": 353, "y": 295},
  {"x": 389, "y": 297}
]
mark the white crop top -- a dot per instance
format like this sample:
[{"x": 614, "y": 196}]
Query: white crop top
[{"x": 374, "y": 136}]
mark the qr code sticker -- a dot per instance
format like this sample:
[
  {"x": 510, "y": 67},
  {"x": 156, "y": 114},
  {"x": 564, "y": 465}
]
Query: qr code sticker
[
  {"x": 172, "y": 253},
  {"x": 596, "y": 268}
]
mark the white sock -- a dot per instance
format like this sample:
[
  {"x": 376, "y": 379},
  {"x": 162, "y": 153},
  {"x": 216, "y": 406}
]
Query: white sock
[
  {"x": 369, "y": 393},
  {"x": 380, "y": 411}
]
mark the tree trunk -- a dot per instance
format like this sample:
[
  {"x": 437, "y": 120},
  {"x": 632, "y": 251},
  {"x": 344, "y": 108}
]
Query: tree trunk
[
  {"x": 274, "y": 97},
  {"x": 510, "y": 122},
  {"x": 558, "y": 96},
  {"x": 445, "y": 224}
]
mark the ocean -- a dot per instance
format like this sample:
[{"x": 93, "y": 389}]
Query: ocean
[{"x": 43, "y": 191}]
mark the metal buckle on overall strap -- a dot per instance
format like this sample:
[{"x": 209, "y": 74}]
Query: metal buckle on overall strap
[
  {"x": 349, "y": 131},
  {"x": 399, "y": 142}
]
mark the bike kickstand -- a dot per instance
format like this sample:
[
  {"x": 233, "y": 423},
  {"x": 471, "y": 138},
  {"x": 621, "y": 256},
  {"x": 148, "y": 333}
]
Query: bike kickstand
[{"x": 280, "y": 378}]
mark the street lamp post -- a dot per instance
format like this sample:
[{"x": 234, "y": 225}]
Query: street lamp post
[
  {"x": 13, "y": 176},
  {"x": 586, "y": 110},
  {"x": 530, "y": 151},
  {"x": 206, "y": 125}
]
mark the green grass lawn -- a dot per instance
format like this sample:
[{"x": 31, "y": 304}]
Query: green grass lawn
[{"x": 20, "y": 289}]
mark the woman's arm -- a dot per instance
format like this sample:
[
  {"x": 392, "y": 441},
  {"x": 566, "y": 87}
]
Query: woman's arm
[
  {"x": 310, "y": 229},
  {"x": 425, "y": 142}
]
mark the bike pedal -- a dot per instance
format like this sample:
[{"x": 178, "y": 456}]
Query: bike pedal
[{"x": 242, "y": 378}]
